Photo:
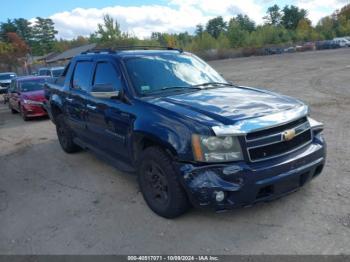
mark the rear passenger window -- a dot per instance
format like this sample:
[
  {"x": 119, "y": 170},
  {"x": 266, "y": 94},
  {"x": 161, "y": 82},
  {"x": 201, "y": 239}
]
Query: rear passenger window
[
  {"x": 106, "y": 74},
  {"x": 82, "y": 75}
]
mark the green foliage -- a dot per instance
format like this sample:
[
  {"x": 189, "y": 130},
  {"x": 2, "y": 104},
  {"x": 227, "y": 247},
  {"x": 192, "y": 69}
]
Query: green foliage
[
  {"x": 216, "y": 26},
  {"x": 24, "y": 29},
  {"x": 291, "y": 16},
  {"x": 273, "y": 15},
  {"x": 43, "y": 36},
  {"x": 109, "y": 30},
  {"x": 245, "y": 23},
  {"x": 205, "y": 42}
]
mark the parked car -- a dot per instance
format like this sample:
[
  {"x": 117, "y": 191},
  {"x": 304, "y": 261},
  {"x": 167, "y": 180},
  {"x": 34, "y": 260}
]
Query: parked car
[
  {"x": 191, "y": 136},
  {"x": 342, "y": 41},
  {"x": 274, "y": 51},
  {"x": 309, "y": 46},
  {"x": 5, "y": 80},
  {"x": 26, "y": 96},
  {"x": 53, "y": 72},
  {"x": 290, "y": 49},
  {"x": 327, "y": 44}
]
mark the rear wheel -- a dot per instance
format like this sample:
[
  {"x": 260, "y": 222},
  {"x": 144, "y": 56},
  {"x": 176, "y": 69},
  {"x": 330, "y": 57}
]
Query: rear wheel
[
  {"x": 65, "y": 135},
  {"x": 160, "y": 185}
]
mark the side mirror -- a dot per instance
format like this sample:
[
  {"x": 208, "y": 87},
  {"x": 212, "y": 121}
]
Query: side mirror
[{"x": 105, "y": 91}]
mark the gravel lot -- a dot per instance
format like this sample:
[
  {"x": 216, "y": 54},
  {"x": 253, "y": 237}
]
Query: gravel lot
[{"x": 54, "y": 203}]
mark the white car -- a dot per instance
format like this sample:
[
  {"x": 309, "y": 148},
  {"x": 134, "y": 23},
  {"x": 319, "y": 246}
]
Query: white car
[
  {"x": 5, "y": 81},
  {"x": 342, "y": 41}
]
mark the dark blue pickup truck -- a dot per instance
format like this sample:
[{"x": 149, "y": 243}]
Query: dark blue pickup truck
[{"x": 192, "y": 137}]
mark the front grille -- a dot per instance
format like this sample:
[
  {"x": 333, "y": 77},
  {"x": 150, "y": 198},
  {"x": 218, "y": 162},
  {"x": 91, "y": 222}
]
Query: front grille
[
  {"x": 274, "y": 130},
  {"x": 269, "y": 143},
  {"x": 5, "y": 84}
]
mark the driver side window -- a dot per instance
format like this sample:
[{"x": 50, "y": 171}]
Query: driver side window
[{"x": 105, "y": 77}]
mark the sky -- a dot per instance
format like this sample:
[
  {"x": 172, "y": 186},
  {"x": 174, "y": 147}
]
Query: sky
[{"x": 142, "y": 17}]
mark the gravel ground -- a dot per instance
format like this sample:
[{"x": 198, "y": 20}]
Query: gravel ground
[{"x": 54, "y": 203}]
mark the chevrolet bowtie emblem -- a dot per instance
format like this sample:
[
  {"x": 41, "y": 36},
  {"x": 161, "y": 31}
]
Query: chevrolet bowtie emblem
[{"x": 288, "y": 134}]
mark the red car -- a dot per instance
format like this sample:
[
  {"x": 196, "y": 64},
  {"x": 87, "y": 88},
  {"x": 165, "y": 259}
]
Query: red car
[{"x": 26, "y": 96}]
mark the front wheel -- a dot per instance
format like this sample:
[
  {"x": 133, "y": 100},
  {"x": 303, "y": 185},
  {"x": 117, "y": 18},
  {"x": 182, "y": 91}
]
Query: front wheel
[
  {"x": 12, "y": 110},
  {"x": 160, "y": 185},
  {"x": 23, "y": 113},
  {"x": 65, "y": 136}
]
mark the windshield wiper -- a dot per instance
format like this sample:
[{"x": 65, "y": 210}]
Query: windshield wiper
[
  {"x": 214, "y": 84},
  {"x": 180, "y": 87}
]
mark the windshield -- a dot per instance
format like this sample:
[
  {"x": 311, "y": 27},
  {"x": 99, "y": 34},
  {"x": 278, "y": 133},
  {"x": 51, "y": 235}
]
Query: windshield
[
  {"x": 154, "y": 73},
  {"x": 7, "y": 76},
  {"x": 32, "y": 85},
  {"x": 57, "y": 72}
]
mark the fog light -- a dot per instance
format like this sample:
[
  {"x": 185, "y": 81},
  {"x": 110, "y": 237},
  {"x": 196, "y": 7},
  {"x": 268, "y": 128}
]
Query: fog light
[{"x": 219, "y": 196}]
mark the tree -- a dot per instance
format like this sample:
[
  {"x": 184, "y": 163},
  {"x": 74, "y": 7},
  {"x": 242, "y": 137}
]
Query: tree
[
  {"x": 292, "y": 15},
  {"x": 245, "y": 23},
  {"x": 109, "y": 30},
  {"x": 326, "y": 27},
  {"x": 199, "y": 30},
  {"x": 216, "y": 26},
  {"x": 43, "y": 36},
  {"x": 24, "y": 29},
  {"x": 273, "y": 15},
  {"x": 14, "y": 52},
  {"x": 304, "y": 30},
  {"x": 7, "y": 27},
  {"x": 236, "y": 34}
]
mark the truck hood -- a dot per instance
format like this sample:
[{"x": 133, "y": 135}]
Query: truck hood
[
  {"x": 5, "y": 81},
  {"x": 228, "y": 105}
]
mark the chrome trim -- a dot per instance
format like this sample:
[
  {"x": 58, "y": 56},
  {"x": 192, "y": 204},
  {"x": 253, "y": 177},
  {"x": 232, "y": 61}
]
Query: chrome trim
[
  {"x": 252, "y": 147},
  {"x": 285, "y": 153},
  {"x": 242, "y": 127},
  {"x": 275, "y": 134},
  {"x": 315, "y": 124}
]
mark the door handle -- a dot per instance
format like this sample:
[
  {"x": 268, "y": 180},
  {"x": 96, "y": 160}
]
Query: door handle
[
  {"x": 91, "y": 107},
  {"x": 70, "y": 100}
]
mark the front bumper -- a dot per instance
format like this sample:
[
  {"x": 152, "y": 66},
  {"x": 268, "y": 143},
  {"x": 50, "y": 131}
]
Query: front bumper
[
  {"x": 245, "y": 184},
  {"x": 34, "y": 110},
  {"x": 3, "y": 89}
]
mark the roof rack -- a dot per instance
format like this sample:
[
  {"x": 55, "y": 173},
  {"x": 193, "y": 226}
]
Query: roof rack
[
  {"x": 98, "y": 51},
  {"x": 124, "y": 48}
]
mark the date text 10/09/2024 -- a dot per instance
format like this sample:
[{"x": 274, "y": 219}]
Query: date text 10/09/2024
[{"x": 173, "y": 258}]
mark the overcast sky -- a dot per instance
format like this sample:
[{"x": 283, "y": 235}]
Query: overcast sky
[{"x": 141, "y": 17}]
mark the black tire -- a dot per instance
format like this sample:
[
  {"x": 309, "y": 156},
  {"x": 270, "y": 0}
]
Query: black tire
[
  {"x": 160, "y": 185},
  {"x": 12, "y": 110},
  {"x": 23, "y": 113},
  {"x": 65, "y": 135}
]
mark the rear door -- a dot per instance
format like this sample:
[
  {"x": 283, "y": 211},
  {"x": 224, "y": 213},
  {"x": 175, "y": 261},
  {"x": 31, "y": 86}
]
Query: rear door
[
  {"x": 108, "y": 122},
  {"x": 75, "y": 99}
]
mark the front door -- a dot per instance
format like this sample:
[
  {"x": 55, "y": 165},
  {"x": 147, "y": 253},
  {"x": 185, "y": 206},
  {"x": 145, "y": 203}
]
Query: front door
[{"x": 108, "y": 121}]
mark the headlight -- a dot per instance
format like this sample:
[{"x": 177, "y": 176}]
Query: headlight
[
  {"x": 216, "y": 149},
  {"x": 31, "y": 102}
]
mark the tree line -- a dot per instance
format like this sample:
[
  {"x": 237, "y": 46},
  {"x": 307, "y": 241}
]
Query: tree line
[{"x": 287, "y": 25}]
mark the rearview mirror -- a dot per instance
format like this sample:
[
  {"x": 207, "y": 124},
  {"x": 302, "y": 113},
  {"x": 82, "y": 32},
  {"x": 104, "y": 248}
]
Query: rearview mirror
[{"x": 104, "y": 91}]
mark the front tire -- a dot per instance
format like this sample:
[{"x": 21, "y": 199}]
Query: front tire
[
  {"x": 12, "y": 110},
  {"x": 160, "y": 185},
  {"x": 23, "y": 113},
  {"x": 65, "y": 136}
]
